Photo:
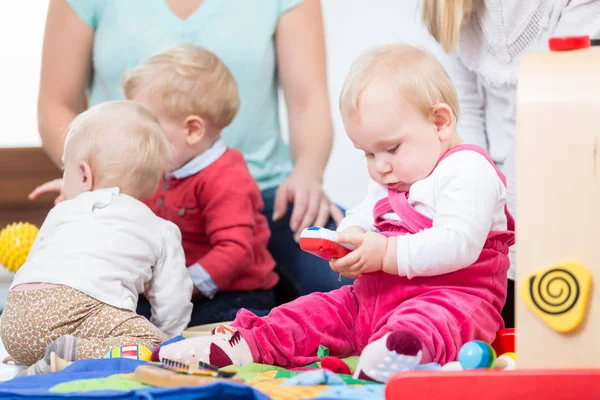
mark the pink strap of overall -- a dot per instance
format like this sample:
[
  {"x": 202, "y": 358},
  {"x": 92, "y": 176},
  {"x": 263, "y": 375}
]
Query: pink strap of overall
[{"x": 413, "y": 221}]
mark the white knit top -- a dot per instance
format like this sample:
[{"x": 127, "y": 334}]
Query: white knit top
[{"x": 485, "y": 68}]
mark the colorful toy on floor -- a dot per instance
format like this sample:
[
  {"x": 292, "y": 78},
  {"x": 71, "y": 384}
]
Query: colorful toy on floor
[
  {"x": 170, "y": 373},
  {"x": 505, "y": 341},
  {"x": 15, "y": 242},
  {"x": 335, "y": 365},
  {"x": 131, "y": 351},
  {"x": 559, "y": 295},
  {"x": 507, "y": 361},
  {"x": 202, "y": 368},
  {"x": 323, "y": 243},
  {"x": 476, "y": 354},
  {"x": 163, "y": 377}
]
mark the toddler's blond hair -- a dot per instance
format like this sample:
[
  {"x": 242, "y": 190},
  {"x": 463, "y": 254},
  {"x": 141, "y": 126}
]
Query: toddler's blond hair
[
  {"x": 415, "y": 74},
  {"x": 190, "y": 81},
  {"x": 124, "y": 145}
]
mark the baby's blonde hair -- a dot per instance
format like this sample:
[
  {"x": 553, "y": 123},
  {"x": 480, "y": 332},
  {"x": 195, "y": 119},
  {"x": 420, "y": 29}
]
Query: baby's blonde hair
[
  {"x": 124, "y": 145},
  {"x": 416, "y": 75},
  {"x": 445, "y": 18},
  {"x": 190, "y": 81}
]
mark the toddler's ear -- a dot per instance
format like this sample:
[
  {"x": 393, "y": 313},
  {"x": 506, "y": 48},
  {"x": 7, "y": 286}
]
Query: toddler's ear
[
  {"x": 444, "y": 120},
  {"x": 195, "y": 128},
  {"x": 87, "y": 179}
]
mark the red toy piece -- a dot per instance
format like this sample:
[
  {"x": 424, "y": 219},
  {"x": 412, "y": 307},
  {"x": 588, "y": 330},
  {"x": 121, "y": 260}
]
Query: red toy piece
[
  {"x": 322, "y": 243},
  {"x": 569, "y": 43},
  {"x": 480, "y": 384},
  {"x": 335, "y": 365},
  {"x": 505, "y": 341}
]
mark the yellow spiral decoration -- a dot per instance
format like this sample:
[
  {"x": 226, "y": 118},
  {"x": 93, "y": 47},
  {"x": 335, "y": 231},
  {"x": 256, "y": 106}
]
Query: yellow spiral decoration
[
  {"x": 554, "y": 292},
  {"x": 558, "y": 295},
  {"x": 15, "y": 242}
]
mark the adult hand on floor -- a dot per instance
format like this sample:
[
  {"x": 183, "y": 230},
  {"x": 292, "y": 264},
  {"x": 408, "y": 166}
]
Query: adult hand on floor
[{"x": 54, "y": 186}]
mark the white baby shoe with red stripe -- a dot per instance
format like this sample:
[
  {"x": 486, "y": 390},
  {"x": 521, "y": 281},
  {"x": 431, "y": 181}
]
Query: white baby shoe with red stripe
[{"x": 223, "y": 347}]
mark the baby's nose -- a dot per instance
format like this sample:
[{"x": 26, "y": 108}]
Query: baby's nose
[{"x": 383, "y": 168}]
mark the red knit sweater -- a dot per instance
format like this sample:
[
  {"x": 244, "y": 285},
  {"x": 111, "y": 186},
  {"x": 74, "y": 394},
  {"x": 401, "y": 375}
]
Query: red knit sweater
[{"x": 219, "y": 213}]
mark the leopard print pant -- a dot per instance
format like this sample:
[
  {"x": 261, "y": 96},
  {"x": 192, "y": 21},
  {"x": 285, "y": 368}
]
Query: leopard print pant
[{"x": 32, "y": 319}]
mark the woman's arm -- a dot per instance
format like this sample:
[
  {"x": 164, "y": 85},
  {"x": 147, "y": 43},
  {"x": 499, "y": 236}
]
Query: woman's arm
[
  {"x": 300, "y": 46},
  {"x": 66, "y": 65}
]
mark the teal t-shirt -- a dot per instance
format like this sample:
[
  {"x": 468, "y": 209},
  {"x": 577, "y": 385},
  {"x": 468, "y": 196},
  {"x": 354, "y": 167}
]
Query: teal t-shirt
[{"x": 241, "y": 32}]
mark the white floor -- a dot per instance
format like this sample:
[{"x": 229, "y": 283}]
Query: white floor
[{"x": 7, "y": 371}]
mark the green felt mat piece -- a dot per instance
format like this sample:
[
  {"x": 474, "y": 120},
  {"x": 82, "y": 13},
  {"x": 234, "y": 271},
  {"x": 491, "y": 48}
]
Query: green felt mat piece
[
  {"x": 113, "y": 382},
  {"x": 246, "y": 372},
  {"x": 322, "y": 352},
  {"x": 253, "y": 367},
  {"x": 352, "y": 362},
  {"x": 250, "y": 371}
]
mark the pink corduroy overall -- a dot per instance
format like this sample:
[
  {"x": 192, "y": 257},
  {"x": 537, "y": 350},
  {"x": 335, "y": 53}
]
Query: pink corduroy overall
[{"x": 445, "y": 311}]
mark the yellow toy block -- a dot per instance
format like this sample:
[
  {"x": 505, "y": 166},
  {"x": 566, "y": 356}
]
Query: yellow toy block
[{"x": 559, "y": 295}]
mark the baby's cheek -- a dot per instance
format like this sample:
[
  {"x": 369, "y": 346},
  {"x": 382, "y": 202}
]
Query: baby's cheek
[{"x": 375, "y": 176}]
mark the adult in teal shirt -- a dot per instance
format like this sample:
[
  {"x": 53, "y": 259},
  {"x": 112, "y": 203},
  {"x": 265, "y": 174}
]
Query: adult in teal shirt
[{"x": 89, "y": 44}]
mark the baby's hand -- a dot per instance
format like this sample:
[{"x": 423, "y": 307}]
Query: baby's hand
[
  {"x": 368, "y": 255},
  {"x": 352, "y": 230},
  {"x": 54, "y": 186}
]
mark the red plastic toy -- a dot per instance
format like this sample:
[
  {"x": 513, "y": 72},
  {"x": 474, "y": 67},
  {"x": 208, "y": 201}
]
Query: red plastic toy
[
  {"x": 322, "y": 243},
  {"x": 569, "y": 43},
  {"x": 505, "y": 341}
]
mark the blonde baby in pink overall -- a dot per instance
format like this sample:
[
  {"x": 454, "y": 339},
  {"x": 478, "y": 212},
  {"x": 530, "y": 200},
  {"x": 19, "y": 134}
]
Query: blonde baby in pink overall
[{"x": 431, "y": 238}]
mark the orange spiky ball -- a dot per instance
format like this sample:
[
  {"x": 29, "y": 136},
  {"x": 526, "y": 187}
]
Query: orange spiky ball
[{"x": 15, "y": 242}]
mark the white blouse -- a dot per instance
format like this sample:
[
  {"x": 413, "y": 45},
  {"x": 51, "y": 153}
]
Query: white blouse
[{"x": 485, "y": 69}]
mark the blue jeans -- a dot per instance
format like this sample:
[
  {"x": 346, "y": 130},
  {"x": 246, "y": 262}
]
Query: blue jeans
[
  {"x": 300, "y": 272},
  {"x": 223, "y": 307}
]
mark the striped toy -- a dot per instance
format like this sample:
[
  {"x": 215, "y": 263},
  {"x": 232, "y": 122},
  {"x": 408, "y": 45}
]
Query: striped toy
[{"x": 131, "y": 351}]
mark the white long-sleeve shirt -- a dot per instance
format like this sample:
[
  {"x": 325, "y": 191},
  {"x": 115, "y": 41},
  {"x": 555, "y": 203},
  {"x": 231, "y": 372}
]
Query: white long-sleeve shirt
[
  {"x": 485, "y": 69},
  {"x": 108, "y": 245},
  {"x": 464, "y": 197}
]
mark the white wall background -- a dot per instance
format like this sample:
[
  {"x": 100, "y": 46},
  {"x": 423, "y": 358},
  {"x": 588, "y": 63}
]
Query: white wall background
[
  {"x": 351, "y": 26},
  {"x": 21, "y": 32}
]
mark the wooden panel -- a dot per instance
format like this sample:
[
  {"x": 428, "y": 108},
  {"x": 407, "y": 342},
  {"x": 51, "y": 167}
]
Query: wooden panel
[
  {"x": 21, "y": 170},
  {"x": 558, "y": 195}
]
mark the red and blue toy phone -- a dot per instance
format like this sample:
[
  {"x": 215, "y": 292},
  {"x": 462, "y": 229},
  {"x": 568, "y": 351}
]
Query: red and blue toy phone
[{"x": 323, "y": 243}]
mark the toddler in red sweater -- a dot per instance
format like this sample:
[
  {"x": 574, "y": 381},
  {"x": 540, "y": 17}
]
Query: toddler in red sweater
[{"x": 210, "y": 195}]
